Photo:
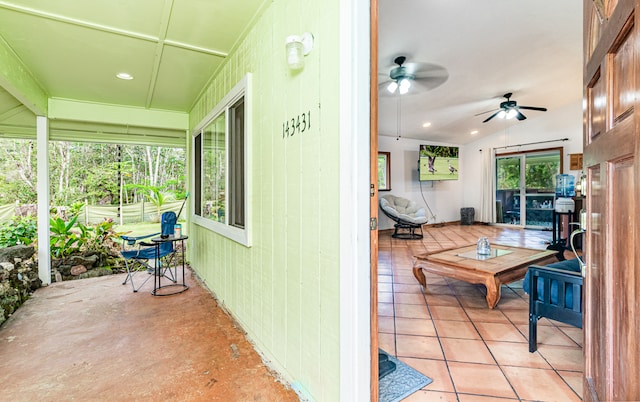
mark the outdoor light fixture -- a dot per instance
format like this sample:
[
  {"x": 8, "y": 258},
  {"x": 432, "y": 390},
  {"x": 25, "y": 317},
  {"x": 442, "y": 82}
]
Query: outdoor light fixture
[
  {"x": 124, "y": 76},
  {"x": 296, "y": 48}
]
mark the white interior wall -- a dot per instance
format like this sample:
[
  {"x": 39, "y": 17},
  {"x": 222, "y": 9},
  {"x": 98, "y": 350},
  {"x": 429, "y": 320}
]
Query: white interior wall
[
  {"x": 445, "y": 198},
  {"x": 565, "y": 122}
]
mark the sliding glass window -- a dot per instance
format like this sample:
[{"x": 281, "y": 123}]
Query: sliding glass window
[{"x": 221, "y": 167}]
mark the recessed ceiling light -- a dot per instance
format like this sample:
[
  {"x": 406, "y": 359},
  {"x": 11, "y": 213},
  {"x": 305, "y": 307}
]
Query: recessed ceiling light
[
  {"x": 474, "y": 132},
  {"x": 427, "y": 124},
  {"x": 124, "y": 76}
]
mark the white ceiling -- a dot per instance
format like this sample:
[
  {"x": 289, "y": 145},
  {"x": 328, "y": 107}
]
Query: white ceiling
[{"x": 489, "y": 47}]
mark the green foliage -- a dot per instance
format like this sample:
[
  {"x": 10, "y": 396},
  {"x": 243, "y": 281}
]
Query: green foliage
[
  {"x": 20, "y": 230},
  {"x": 89, "y": 171},
  {"x": 156, "y": 196},
  {"x": 439, "y": 151},
  {"x": 64, "y": 241},
  {"x": 540, "y": 173},
  {"x": 69, "y": 237}
]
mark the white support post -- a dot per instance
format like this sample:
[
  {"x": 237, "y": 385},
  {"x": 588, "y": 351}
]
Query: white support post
[{"x": 44, "y": 249}]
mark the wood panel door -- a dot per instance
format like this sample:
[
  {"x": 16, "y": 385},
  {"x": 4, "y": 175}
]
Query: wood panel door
[{"x": 611, "y": 152}]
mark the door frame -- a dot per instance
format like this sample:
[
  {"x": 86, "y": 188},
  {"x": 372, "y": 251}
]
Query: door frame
[{"x": 373, "y": 206}]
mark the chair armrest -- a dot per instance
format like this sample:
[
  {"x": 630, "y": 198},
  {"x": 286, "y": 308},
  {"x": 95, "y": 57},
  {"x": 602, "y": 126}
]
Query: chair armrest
[
  {"x": 556, "y": 274},
  {"x": 131, "y": 240}
]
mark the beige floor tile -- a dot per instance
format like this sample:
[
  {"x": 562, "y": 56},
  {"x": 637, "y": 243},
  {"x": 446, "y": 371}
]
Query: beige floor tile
[
  {"x": 418, "y": 311},
  {"x": 549, "y": 335},
  {"x": 434, "y": 369},
  {"x": 493, "y": 331},
  {"x": 435, "y": 280},
  {"x": 406, "y": 288},
  {"x": 516, "y": 354},
  {"x": 385, "y": 287},
  {"x": 409, "y": 298},
  {"x": 466, "y": 350},
  {"x": 513, "y": 303},
  {"x": 456, "y": 329},
  {"x": 423, "y": 347},
  {"x": 439, "y": 290},
  {"x": 486, "y": 315},
  {"x": 386, "y": 325},
  {"x": 576, "y": 334},
  {"x": 385, "y": 309},
  {"x": 428, "y": 396},
  {"x": 412, "y": 326},
  {"x": 441, "y": 300},
  {"x": 481, "y": 398},
  {"x": 563, "y": 357},
  {"x": 450, "y": 313},
  {"x": 384, "y": 278},
  {"x": 385, "y": 297},
  {"x": 574, "y": 379},
  {"x": 407, "y": 279},
  {"x": 527, "y": 383},
  {"x": 387, "y": 342},
  {"x": 479, "y": 301},
  {"x": 480, "y": 379},
  {"x": 517, "y": 316}
]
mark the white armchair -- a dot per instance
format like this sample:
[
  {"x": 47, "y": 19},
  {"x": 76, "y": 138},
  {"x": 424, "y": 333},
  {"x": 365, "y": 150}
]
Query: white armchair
[{"x": 407, "y": 215}]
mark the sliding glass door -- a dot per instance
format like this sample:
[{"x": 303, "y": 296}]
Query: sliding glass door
[{"x": 525, "y": 187}]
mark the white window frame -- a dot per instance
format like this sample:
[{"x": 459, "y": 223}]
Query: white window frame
[{"x": 240, "y": 235}]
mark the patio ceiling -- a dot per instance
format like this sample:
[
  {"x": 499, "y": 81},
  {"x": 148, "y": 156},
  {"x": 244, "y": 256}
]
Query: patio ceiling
[{"x": 73, "y": 49}]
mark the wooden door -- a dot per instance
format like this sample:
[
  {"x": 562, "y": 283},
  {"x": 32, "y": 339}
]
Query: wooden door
[
  {"x": 611, "y": 152},
  {"x": 373, "y": 207}
]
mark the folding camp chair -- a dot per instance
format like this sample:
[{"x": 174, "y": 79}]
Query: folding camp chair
[{"x": 147, "y": 257}]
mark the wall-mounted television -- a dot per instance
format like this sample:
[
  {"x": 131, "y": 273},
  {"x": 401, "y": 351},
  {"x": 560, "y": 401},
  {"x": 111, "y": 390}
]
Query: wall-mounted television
[{"x": 438, "y": 162}]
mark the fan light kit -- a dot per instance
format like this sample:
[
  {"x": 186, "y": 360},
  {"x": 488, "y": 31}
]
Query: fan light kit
[
  {"x": 412, "y": 77},
  {"x": 510, "y": 109},
  {"x": 296, "y": 48},
  {"x": 400, "y": 77}
]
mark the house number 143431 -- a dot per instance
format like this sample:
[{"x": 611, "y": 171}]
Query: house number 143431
[{"x": 297, "y": 125}]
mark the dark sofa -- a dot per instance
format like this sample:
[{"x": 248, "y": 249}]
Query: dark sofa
[{"x": 557, "y": 295}]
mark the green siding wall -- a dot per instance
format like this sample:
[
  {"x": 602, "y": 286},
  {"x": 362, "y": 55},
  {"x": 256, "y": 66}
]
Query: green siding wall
[{"x": 284, "y": 290}]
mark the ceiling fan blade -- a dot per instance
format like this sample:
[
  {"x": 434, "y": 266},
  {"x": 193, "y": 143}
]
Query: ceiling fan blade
[
  {"x": 425, "y": 70},
  {"x": 541, "y": 109},
  {"x": 488, "y": 111},
  {"x": 520, "y": 116},
  {"x": 492, "y": 116}
]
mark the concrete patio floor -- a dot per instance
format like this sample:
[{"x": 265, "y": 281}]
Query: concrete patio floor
[{"x": 94, "y": 339}]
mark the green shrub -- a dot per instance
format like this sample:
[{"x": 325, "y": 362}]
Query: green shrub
[{"x": 20, "y": 230}]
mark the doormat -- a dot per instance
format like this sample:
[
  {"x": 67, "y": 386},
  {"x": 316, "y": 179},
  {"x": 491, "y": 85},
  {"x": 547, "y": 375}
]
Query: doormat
[{"x": 400, "y": 383}]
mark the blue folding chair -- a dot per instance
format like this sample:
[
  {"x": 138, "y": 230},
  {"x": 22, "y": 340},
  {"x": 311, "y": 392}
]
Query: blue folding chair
[{"x": 148, "y": 257}]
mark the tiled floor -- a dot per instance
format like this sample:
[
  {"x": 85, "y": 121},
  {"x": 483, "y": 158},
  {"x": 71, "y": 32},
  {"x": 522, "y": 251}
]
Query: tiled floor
[{"x": 448, "y": 333}]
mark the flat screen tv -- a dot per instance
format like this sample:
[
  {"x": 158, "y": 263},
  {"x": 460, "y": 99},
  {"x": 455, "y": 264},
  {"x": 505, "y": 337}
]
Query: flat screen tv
[{"x": 438, "y": 163}]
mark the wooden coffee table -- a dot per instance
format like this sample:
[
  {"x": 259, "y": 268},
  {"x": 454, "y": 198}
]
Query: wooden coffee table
[{"x": 506, "y": 264}]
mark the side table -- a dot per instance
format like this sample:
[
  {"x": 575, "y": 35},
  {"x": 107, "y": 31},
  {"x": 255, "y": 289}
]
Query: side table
[{"x": 157, "y": 285}]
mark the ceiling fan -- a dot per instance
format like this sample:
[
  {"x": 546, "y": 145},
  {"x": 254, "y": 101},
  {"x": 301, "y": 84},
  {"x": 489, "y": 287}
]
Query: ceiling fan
[
  {"x": 510, "y": 109},
  {"x": 423, "y": 76}
]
